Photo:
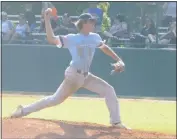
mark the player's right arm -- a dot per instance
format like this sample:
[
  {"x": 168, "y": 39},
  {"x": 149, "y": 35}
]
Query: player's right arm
[{"x": 52, "y": 39}]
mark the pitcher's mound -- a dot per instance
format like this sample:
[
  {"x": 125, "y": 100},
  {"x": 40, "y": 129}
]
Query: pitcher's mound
[{"x": 45, "y": 129}]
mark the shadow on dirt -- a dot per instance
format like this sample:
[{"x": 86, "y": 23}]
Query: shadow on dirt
[
  {"x": 80, "y": 131},
  {"x": 49, "y": 129}
]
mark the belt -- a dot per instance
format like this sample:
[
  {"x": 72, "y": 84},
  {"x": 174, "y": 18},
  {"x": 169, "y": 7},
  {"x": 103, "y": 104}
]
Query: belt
[{"x": 83, "y": 73}]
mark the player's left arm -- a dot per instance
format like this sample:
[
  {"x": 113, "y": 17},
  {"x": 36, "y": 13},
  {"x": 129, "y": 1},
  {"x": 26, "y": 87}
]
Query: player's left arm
[
  {"x": 119, "y": 64},
  {"x": 108, "y": 51}
]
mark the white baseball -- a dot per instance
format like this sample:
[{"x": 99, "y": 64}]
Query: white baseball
[{"x": 49, "y": 10}]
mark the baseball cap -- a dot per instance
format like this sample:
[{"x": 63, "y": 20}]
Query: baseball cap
[{"x": 86, "y": 16}]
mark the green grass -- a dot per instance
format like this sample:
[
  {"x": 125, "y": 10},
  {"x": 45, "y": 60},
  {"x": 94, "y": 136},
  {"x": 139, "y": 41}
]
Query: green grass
[{"x": 138, "y": 114}]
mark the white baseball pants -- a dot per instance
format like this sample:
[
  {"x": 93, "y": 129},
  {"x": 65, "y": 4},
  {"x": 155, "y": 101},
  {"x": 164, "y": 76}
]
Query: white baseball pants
[{"x": 71, "y": 83}]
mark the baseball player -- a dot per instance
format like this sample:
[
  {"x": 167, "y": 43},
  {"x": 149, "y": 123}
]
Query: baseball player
[{"x": 82, "y": 48}]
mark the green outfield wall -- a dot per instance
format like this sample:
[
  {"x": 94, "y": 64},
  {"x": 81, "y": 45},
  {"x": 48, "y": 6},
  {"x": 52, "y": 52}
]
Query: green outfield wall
[{"x": 148, "y": 72}]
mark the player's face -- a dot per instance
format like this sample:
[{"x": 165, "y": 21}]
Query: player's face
[{"x": 90, "y": 25}]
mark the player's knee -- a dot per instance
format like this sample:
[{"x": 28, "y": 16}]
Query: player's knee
[
  {"x": 52, "y": 100},
  {"x": 109, "y": 89},
  {"x": 111, "y": 92}
]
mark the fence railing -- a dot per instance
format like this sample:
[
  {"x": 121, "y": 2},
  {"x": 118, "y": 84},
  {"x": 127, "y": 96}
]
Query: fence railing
[{"x": 126, "y": 46}]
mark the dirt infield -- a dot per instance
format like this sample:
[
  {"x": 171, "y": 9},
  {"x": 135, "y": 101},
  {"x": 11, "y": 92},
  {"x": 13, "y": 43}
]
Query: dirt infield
[{"x": 46, "y": 129}]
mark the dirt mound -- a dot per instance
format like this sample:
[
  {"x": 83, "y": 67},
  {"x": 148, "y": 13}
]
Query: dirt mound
[{"x": 46, "y": 129}]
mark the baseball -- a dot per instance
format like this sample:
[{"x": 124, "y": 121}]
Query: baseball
[{"x": 49, "y": 10}]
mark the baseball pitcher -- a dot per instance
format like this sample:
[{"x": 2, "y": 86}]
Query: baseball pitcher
[{"x": 82, "y": 48}]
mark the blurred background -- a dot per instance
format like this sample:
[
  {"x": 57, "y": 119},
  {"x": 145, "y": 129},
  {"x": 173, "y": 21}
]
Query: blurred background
[{"x": 122, "y": 24}]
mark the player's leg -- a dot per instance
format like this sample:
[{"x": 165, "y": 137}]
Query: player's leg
[
  {"x": 67, "y": 88},
  {"x": 98, "y": 85}
]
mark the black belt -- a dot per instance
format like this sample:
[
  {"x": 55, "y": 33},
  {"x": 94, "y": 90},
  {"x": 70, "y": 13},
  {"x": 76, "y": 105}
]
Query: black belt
[{"x": 83, "y": 73}]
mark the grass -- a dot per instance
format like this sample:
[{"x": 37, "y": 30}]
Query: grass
[{"x": 158, "y": 116}]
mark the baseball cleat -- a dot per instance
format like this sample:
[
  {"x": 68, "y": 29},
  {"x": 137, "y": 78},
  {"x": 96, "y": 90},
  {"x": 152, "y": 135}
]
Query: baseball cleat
[
  {"x": 18, "y": 113},
  {"x": 120, "y": 125}
]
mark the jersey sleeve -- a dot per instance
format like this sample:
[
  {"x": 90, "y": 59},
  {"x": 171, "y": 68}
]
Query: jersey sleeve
[
  {"x": 99, "y": 41},
  {"x": 66, "y": 40}
]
